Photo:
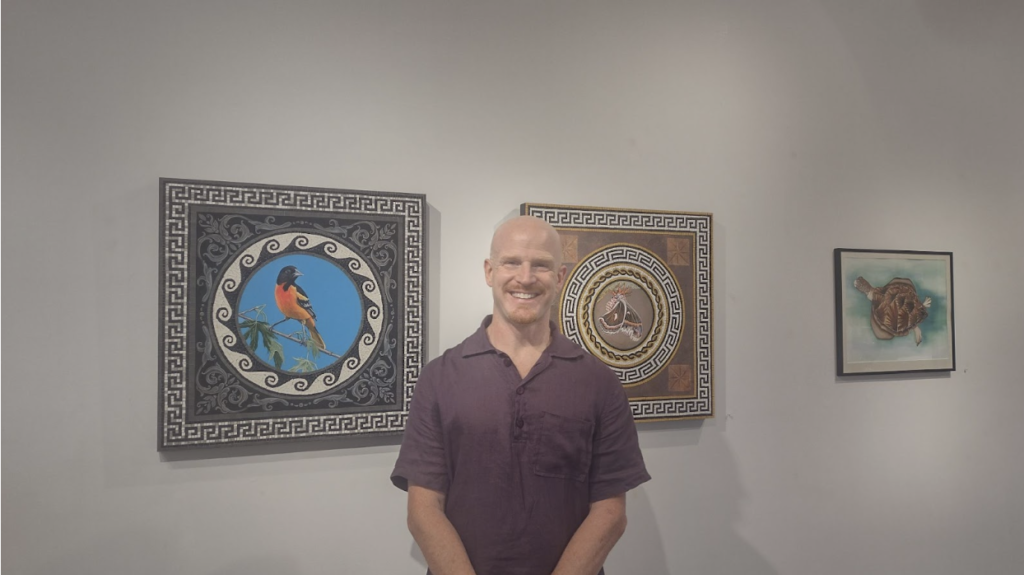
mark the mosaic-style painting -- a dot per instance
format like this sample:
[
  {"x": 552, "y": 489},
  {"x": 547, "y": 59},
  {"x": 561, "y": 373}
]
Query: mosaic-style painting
[
  {"x": 894, "y": 311},
  {"x": 638, "y": 295},
  {"x": 287, "y": 312}
]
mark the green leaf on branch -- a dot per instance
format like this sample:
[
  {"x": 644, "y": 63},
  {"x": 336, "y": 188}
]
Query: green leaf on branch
[
  {"x": 266, "y": 330},
  {"x": 303, "y": 364},
  {"x": 250, "y": 334},
  {"x": 274, "y": 350},
  {"x": 312, "y": 348}
]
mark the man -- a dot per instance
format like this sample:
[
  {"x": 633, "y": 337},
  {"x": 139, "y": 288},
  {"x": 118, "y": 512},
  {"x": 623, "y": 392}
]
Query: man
[{"x": 520, "y": 446}]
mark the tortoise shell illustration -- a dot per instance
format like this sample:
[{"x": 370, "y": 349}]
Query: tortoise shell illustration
[{"x": 896, "y": 309}]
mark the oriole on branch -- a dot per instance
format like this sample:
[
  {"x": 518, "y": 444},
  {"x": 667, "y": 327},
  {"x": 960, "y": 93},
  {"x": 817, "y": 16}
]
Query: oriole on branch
[{"x": 294, "y": 303}]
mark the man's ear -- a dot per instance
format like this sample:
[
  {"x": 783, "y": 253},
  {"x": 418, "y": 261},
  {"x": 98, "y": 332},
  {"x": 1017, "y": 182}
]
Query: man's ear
[
  {"x": 561, "y": 274},
  {"x": 487, "y": 271}
]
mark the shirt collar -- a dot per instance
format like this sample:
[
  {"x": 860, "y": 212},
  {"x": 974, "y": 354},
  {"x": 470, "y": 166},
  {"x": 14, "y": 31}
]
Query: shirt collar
[{"x": 560, "y": 345}]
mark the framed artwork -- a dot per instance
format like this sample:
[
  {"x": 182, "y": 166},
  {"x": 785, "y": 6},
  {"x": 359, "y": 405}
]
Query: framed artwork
[
  {"x": 287, "y": 312},
  {"x": 638, "y": 295},
  {"x": 894, "y": 311}
]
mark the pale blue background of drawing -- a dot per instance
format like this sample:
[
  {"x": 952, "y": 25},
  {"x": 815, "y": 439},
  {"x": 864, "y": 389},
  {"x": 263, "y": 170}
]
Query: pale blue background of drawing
[
  {"x": 333, "y": 296},
  {"x": 929, "y": 276}
]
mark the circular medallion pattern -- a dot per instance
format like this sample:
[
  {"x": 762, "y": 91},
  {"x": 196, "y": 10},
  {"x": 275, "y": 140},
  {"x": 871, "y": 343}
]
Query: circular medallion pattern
[
  {"x": 622, "y": 304},
  {"x": 628, "y": 312},
  {"x": 356, "y": 347}
]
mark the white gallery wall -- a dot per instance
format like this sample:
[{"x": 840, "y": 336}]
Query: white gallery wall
[{"x": 803, "y": 125}]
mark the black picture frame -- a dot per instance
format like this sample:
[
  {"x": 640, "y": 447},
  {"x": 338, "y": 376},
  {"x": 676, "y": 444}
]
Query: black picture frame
[{"x": 893, "y": 311}]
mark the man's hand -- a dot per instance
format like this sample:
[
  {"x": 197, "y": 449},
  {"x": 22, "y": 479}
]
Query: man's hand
[
  {"x": 434, "y": 533},
  {"x": 598, "y": 533}
]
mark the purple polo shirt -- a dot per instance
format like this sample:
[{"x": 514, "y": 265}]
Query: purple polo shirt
[{"x": 519, "y": 459}]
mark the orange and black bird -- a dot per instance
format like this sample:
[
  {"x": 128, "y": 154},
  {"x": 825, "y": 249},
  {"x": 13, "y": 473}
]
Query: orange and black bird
[{"x": 294, "y": 303}]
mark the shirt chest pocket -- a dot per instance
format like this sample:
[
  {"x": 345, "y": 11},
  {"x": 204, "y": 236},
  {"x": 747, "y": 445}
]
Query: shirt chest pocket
[{"x": 561, "y": 447}]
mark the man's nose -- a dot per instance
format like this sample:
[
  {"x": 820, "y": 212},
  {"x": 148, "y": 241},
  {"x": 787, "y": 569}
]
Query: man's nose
[{"x": 525, "y": 274}]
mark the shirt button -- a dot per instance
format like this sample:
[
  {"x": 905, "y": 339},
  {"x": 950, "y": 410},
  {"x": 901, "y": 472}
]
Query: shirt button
[
  {"x": 521, "y": 390},
  {"x": 508, "y": 362},
  {"x": 520, "y": 423}
]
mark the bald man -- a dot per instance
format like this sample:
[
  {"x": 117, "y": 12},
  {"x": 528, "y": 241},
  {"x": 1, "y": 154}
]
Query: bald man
[{"x": 520, "y": 446}]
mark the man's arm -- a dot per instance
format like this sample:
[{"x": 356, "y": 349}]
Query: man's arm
[
  {"x": 594, "y": 539},
  {"x": 434, "y": 533}
]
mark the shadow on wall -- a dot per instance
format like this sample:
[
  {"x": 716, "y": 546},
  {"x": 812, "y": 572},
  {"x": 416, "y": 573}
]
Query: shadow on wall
[
  {"x": 417, "y": 556},
  {"x": 258, "y": 565},
  {"x": 641, "y": 549},
  {"x": 978, "y": 22},
  {"x": 686, "y": 522},
  {"x": 137, "y": 550},
  {"x": 155, "y": 551}
]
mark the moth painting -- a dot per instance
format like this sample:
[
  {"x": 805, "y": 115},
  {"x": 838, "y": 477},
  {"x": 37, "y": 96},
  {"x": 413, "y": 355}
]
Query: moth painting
[
  {"x": 621, "y": 316},
  {"x": 637, "y": 295},
  {"x": 287, "y": 312},
  {"x": 894, "y": 311}
]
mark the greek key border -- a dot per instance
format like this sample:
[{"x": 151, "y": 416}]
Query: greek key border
[
  {"x": 174, "y": 429},
  {"x": 700, "y": 224}
]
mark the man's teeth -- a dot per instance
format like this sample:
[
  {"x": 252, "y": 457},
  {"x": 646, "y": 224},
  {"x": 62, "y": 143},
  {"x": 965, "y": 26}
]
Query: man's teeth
[{"x": 519, "y": 295}]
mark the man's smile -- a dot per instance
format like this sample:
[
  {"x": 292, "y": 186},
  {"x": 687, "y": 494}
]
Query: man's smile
[{"x": 523, "y": 295}]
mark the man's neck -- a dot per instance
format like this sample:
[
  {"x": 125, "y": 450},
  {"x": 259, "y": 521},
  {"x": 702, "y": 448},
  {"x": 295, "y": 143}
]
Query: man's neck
[
  {"x": 514, "y": 339},
  {"x": 524, "y": 344}
]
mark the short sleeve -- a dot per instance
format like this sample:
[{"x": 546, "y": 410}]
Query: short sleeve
[
  {"x": 617, "y": 464},
  {"x": 421, "y": 459}
]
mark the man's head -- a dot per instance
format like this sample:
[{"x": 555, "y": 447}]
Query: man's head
[{"x": 525, "y": 270}]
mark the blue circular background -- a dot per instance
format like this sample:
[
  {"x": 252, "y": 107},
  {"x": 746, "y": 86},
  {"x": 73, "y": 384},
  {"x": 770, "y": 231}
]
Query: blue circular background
[{"x": 333, "y": 295}]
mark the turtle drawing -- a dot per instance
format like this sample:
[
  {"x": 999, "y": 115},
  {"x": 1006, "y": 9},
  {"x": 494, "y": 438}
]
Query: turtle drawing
[{"x": 896, "y": 309}]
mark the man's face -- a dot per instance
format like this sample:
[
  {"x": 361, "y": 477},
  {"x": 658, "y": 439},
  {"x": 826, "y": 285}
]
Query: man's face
[{"x": 525, "y": 272}]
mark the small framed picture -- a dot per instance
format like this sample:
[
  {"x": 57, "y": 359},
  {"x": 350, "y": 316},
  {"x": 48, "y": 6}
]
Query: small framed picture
[{"x": 894, "y": 311}]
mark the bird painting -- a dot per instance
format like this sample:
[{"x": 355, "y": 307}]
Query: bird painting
[{"x": 294, "y": 303}]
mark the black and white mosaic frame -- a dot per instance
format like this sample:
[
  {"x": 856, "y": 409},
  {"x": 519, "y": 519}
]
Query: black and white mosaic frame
[
  {"x": 638, "y": 295},
  {"x": 216, "y": 238}
]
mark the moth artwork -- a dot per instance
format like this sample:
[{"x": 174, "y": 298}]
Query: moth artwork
[
  {"x": 286, "y": 312},
  {"x": 894, "y": 311},
  {"x": 620, "y": 316},
  {"x": 637, "y": 295}
]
